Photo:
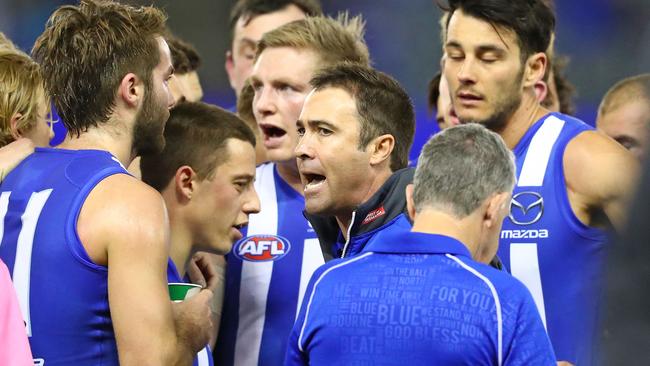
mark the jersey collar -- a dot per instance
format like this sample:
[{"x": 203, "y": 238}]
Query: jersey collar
[{"x": 409, "y": 242}]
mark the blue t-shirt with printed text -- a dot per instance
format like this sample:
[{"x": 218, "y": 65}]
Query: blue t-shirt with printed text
[{"x": 416, "y": 299}]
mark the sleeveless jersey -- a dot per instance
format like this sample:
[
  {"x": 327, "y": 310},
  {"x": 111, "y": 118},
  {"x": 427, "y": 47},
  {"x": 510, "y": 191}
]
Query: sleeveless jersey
[
  {"x": 62, "y": 294},
  {"x": 544, "y": 245},
  {"x": 204, "y": 357},
  {"x": 267, "y": 274}
]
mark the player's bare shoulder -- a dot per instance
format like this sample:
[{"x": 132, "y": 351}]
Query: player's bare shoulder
[
  {"x": 121, "y": 209},
  {"x": 599, "y": 174}
]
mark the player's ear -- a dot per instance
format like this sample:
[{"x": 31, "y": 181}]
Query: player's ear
[
  {"x": 13, "y": 126},
  {"x": 230, "y": 67},
  {"x": 185, "y": 183},
  {"x": 534, "y": 68},
  {"x": 541, "y": 90},
  {"x": 410, "y": 205},
  {"x": 131, "y": 90},
  {"x": 496, "y": 210},
  {"x": 381, "y": 148}
]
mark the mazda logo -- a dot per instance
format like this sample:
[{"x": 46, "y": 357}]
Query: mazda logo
[{"x": 526, "y": 208}]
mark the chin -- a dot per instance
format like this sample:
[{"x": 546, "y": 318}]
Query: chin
[
  {"x": 315, "y": 209},
  {"x": 279, "y": 155}
]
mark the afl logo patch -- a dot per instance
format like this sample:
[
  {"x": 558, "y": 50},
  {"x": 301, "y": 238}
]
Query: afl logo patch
[{"x": 262, "y": 248}]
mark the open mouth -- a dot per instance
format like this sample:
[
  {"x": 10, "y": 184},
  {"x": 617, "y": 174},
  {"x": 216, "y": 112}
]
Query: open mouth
[
  {"x": 313, "y": 181},
  {"x": 238, "y": 231},
  {"x": 241, "y": 226},
  {"x": 272, "y": 131}
]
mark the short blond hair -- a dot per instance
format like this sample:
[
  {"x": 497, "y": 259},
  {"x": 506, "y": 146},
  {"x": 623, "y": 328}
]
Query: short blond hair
[
  {"x": 21, "y": 91},
  {"x": 333, "y": 40},
  {"x": 6, "y": 42},
  {"x": 625, "y": 91}
]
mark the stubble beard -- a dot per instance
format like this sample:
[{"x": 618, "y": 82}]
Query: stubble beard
[
  {"x": 504, "y": 108},
  {"x": 148, "y": 131}
]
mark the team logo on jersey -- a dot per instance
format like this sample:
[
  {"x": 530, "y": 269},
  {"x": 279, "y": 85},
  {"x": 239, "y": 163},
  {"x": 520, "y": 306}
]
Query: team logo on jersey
[
  {"x": 262, "y": 248},
  {"x": 526, "y": 208}
]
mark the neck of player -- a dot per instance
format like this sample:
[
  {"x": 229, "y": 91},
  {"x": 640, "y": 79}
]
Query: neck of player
[
  {"x": 118, "y": 143},
  {"x": 288, "y": 171},
  {"x": 529, "y": 112},
  {"x": 181, "y": 248}
]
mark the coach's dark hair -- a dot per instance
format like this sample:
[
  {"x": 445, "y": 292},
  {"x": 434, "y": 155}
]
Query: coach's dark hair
[
  {"x": 196, "y": 135},
  {"x": 249, "y": 9},
  {"x": 86, "y": 50},
  {"x": 531, "y": 21},
  {"x": 382, "y": 104}
]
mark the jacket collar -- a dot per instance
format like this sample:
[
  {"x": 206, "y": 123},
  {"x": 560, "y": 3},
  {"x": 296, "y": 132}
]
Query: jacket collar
[
  {"x": 384, "y": 206},
  {"x": 409, "y": 242}
]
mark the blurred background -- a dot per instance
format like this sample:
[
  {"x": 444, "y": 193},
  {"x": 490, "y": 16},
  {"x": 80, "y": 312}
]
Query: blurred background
[{"x": 606, "y": 40}]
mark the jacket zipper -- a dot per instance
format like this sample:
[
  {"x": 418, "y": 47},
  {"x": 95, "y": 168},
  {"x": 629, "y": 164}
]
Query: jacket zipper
[{"x": 347, "y": 239}]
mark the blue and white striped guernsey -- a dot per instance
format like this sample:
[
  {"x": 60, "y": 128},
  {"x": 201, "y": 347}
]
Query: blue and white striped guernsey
[
  {"x": 63, "y": 294},
  {"x": 545, "y": 246},
  {"x": 266, "y": 277},
  {"x": 416, "y": 299}
]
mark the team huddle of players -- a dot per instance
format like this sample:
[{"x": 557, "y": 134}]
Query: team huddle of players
[{"x": 314, "y": 241}]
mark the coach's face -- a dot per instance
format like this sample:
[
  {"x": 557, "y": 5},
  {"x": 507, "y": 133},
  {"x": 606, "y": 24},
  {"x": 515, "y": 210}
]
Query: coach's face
[{"x": 334, "y": 171}]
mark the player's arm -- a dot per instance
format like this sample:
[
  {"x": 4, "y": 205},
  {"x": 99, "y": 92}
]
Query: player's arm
[
  {"x": 12, "y": 154},
  {"x": 601, "y": 176},
  {"x": 123, "y": 224}
]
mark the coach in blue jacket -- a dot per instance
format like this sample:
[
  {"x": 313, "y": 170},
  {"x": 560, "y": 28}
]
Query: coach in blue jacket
[
  {"x": 356, "y": 129},
  {"x": 422, "y": 297}
]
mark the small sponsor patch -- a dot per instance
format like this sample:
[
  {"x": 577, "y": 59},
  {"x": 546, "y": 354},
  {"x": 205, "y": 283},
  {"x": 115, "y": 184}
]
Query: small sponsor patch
[
  {"x": 374, "y": 215},
  {"x": 261, "y": 248}
]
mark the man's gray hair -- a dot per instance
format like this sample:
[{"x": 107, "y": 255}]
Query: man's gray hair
[{"x": 460, "y": 167}]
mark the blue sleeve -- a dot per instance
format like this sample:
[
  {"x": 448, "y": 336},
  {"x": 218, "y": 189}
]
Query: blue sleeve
[
  {"x": 294, "y": 355},
  {"x": 529, "y": 344}
]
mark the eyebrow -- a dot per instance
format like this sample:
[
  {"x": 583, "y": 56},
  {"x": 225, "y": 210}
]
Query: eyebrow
[
  {"x": 279, "y": 81},
  {"x": 249, "y": 177},
  {"x": 247, "y": 42},
  {"x": 452, "y": 44},
  {"x": 317, "y": 122},
  {"x": 481, "y": 48},
  {"x": 290, "y": 82},
  {"x": 490, "y": 48}
]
